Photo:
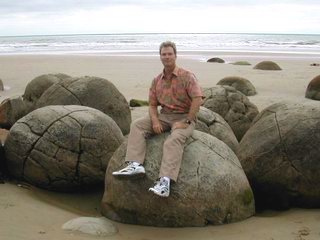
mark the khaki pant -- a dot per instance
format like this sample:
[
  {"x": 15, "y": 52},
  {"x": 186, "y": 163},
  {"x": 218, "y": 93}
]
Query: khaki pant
[{"x": 172, "y": 147}]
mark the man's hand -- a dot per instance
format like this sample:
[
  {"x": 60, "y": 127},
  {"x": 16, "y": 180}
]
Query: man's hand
[
  {"x": 157, "y": 127},
  {"x": 179, "y": 125}
]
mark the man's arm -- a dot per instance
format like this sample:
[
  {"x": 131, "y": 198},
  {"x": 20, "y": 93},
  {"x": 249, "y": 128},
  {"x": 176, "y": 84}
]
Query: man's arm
[
  {"x": 194, "y": 109},
  {"x": 156, "y": 124}
]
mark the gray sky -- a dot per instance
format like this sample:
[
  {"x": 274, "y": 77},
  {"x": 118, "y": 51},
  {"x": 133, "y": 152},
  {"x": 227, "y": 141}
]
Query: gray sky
[{"x": 125, "y": 16}]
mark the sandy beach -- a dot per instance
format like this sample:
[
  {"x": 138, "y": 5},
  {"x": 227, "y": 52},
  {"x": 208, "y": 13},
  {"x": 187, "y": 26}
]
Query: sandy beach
[{"x": 30, "y": 213}]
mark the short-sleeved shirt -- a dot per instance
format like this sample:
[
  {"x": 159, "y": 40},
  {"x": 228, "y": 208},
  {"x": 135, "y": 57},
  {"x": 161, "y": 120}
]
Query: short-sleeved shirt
[{"x": 175, "y": 94}]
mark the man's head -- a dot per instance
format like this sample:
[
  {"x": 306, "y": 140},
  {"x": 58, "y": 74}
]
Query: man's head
[{"x": 168, "y": 54}]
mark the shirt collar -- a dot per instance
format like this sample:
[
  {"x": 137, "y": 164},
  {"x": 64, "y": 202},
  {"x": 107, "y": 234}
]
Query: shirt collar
[{"x": 175, "y": 72}]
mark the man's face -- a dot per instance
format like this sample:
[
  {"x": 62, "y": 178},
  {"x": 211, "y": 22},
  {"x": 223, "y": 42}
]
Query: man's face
[{"x": 167, "y": 56}]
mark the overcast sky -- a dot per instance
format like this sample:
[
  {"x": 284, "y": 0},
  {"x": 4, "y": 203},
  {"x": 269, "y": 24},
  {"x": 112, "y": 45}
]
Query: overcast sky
[{"x": 29, "y": 17}]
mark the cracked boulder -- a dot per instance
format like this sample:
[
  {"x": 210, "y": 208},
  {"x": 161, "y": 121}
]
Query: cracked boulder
[
  {"x": 313, "y": 89},
  {"x": 241, "y": 84},
  {"x": 12, "y": 109},
  {"x": 93, "y": 92},
  {"x": 233, "y": 106},
  {"x": 62, "y": 148},
  {"x": 213, "y": 124},
  {"x": 37, "y": 86},
  {"x": 212, "y": 187},
  {"x": 280, "y": 155}
]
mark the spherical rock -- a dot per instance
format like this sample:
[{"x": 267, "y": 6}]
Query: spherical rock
[
  {"x": 100, "y": 227},
  {"x": 241, "y": 84},
  {"x": 241, "y": 63},
  {"x": 267, "y": 65},
  {"x": 213, "y": 124},
  {"x": 12, "y": 109},
  {"x": 1, "y": 85},
  {"x": 93, "y": 92},
  {"x": 313, "y": 89},
  {"x": 38, "y": 85},
  {"x": 211, "y": 187},
  {"x": 138, "y": 103},
  {"x": 2, "y": 164},
  {"x": 62, "y": 148},
  {"x": 216, "y": 60},
  {"x": 233, "y": 106},
  {"x": 280, "y": 155}
]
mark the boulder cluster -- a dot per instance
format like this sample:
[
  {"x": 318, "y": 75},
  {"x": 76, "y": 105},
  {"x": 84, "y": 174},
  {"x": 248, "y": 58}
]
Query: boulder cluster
[{"x": 67, "y": 134}]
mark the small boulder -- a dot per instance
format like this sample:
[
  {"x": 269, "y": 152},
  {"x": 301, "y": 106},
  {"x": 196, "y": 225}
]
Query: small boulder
[
  {"x": 99, "y": 227},
  {"x": 36, "y": 87},
  {"x": 62, "y": 148},
  {"x": 313, "y": 89},
  {"x": 267, "y": 65},
  {"x": 213, "y": 124},
  {"x": 215, "y": 60},
  {"x": 211, "y": 187},
  {"x": 241, "y": 84},
  {"x": 12, "y": 109},
  {"x": 241, "y": 63},
  {"x": 233, "y": 106},
  {"x": 280, "y": 155},
  {"x": 138, "y": 103},
  {"x": 93, "y": 92},
  {"x": 1, "y": 85}
]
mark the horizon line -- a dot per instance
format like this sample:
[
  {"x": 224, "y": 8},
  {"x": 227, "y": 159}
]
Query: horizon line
[{"x": 155, "y": 33}]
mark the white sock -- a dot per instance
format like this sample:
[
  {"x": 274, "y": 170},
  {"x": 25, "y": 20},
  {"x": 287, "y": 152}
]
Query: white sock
[{"x": 134, "y": 163}]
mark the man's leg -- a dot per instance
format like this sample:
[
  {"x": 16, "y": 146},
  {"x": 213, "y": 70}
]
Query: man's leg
[
  {"x": 173, "y": 151},
  {"x": 171, "y": 160},
  {"x": 136, "y": 148},
  {"x": 140, "y": 129}
]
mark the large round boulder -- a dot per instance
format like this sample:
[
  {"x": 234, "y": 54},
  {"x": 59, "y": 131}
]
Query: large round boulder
[
  {"x": 12, "y": 109},
  {"x": 233, "y": 106},
  {"x": 93, "y": 92},
  {"x": 62, "y": 148},
  {"x": 267, "y": 65},
  {"x": 241, "y": 84},
  {"x": 211, "y": 187},
  {"x": 213, "y": 124},
  {"x": 313, "y": 89},
  {"x": 280, "y": 155},
  {"x": 37, "y": 86}
]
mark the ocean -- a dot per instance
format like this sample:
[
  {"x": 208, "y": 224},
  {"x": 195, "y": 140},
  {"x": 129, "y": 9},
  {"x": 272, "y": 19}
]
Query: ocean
[{"x": 106, "y": 44}]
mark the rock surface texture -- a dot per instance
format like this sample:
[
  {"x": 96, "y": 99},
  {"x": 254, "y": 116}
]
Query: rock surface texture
[
  {"x": 37, "y": 86},
  {"x": 213, "y": 124},
  {"x": 211, "y": 187},
  {"x": 12, "y": 109},
  {"x": 233, "y": 106},
  {"x": 62, "y": 148},
  {"x": 280, "y": 155},
  {"x": 93, "y": 92},
  {"x": 313, "y": 89},
  {"x": 241, "y": 84},
  {"x": 100, "y": 227}
]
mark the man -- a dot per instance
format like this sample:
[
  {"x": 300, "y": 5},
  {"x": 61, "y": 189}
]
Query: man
[{"x": 180, "y": 96}]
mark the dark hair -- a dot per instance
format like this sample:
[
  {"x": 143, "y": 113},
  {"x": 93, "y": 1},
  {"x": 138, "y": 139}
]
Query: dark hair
[{"x": 168, "y": 44}]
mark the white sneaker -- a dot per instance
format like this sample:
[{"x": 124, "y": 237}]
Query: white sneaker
[
  {"x": 161, "y": 188},
  {"x": 132, "y": 169}
]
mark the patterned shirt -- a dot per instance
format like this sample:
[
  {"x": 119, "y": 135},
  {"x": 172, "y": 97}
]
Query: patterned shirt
[{"x": 175, "y": 94}]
